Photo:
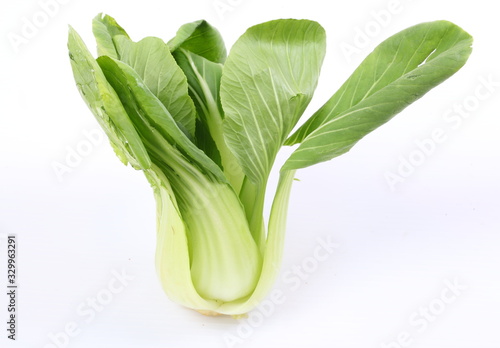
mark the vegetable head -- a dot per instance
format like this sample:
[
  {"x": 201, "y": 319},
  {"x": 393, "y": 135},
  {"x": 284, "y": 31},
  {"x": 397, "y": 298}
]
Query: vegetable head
[{"x": 205, "y": 129}]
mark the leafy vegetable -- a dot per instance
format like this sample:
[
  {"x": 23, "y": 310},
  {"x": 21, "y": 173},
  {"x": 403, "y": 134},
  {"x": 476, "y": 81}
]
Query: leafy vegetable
[
  {"x": 398, "y": 72},
  {"x": 205, "y": 128}
]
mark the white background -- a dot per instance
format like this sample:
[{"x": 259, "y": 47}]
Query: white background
[{"x": 396, "y": 248}]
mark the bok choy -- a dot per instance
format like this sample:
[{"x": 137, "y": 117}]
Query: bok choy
[{"x": 205, "y": 128}]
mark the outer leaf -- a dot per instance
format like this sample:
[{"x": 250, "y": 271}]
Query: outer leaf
[
  {"x": 273, "y": 251},
  {"x": 172, "y": 253},
  {"x": 154, "y": 64},
  {"x": 398, "y": 72},
  {"x": 152, "y": 118},
  {"x": 268, "y": 81},
  {"x": 105, "y": 28},
  {"x": 202, "y": 39},
  {"x": 104, "y": 103}
]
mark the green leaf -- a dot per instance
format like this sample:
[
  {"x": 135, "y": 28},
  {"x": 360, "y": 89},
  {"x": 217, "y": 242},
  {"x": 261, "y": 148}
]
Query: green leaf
[
  {"x": 398, "y": 72},
  {"x": 267, "y": 82},
  {"x": 156, "y": 125},
  {"x": 157, "y": 68},
  {"x": 105, "y": 28},
  {"x": 202, "y": 39},
  {"x": 204, "y": 88},
  {"x": 203, "y": 78},
  {"x": 105, "y": 104},
  {"x": 206, "y": 143}
]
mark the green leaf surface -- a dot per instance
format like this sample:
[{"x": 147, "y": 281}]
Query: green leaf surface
[
  {"x": 204, "y": 87},
  {"x": 105, "y": 28},
  {"x": 157, "y": 68},
  {"x": 202, "y": 39},
  {"x": 105, "y": 104},
  {"x": 206, "y": 143},
  {"x": 203, "y": 78},
  {"x": 398, "y": 72},
  {"x": 152, "y": 118},
  {"x": 267, "y": 82}
]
